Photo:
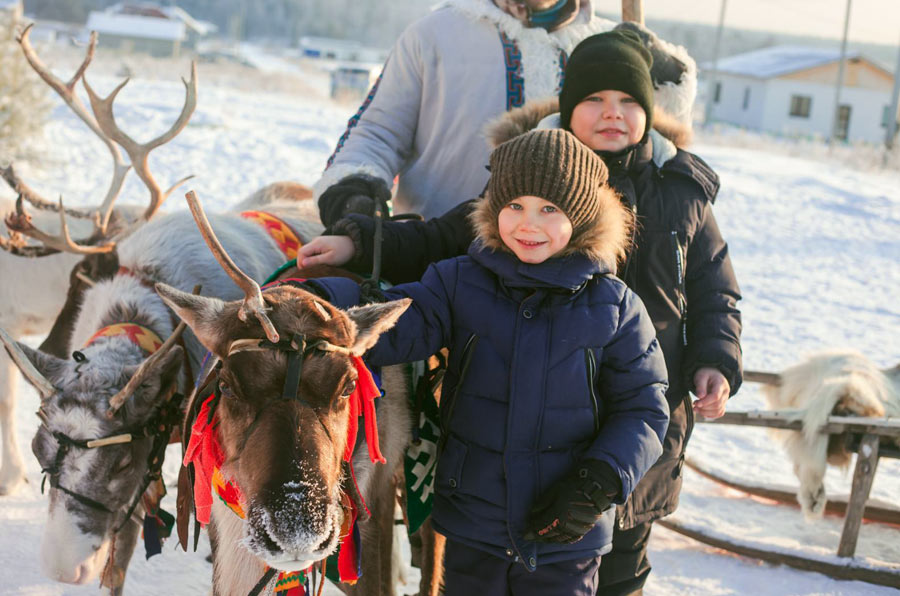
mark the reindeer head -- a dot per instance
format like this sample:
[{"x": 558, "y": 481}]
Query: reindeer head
[
  {"x": 285, "y": 453},
  {"x": 95, "y": 464}
]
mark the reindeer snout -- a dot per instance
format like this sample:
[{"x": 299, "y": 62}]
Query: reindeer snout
[{"x": 300, "y": 521}]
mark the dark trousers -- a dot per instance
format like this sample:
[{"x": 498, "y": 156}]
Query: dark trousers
[
  {"x": 624, "y": 570},
  {"x": 472, "y": 572}
]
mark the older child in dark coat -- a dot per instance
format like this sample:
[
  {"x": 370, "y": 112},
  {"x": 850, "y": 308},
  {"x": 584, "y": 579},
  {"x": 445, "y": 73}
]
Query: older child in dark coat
[
  {"x": 553, "y": 403},
  {"x": 679, "y": 265}
]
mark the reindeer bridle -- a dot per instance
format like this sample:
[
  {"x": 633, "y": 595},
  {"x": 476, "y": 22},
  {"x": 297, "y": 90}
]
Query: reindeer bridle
[
  {"x": 298, "y": 348},
  {"x": 157, "y": 428}
]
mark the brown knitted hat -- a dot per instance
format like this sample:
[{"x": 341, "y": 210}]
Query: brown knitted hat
[{"x": 551, "y": 164}]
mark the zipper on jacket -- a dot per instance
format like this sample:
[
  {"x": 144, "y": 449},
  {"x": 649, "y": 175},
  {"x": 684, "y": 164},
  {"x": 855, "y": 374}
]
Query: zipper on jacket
[
  {"x": 591, "y": 362},
  {"x": 679, "y": 269},
  {"x": 468, "y": 351}
]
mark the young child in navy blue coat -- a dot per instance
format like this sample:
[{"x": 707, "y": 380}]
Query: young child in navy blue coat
[
  {"x": 679, "y": 264},
  {"x": 553, "y": 405}
]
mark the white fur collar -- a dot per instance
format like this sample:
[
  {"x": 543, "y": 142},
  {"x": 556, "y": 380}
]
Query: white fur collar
[{"x": 540, "y": 49}]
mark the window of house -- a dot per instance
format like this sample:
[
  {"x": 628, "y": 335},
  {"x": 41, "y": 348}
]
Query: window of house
[
  {"x": 717, "y": 94},
  {"x": 885, "y": 116},
  {"x": 746, "y": 97},
  {"x": 800, "y": 105}
]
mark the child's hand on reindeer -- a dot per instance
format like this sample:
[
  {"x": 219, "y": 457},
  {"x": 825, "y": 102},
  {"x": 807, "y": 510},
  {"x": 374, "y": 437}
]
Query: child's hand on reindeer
[
  {"x": 712, "y": 389},
  {"x": 326, "y": 250}
]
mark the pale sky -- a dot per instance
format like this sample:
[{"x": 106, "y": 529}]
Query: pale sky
[{"x": 871, "y": 21}]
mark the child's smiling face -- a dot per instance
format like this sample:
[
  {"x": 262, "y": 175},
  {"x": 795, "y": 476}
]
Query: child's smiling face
[
  {"x": 534, "y": 229},
  {"x": 608, "y": 120}
]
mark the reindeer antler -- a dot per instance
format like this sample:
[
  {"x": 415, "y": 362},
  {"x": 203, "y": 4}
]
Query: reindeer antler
[
  {"x": 102, "y": 123},
  {"x": 67, "y": 92},
  {"x": 20, "y": 222},
  {"x": 139, "y": 152},
  {"x": 253, "y": 305},
  {"x": 146, "y": 369}
]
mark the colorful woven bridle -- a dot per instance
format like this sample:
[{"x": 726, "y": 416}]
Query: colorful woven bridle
[{"x": 204, "y": 452}]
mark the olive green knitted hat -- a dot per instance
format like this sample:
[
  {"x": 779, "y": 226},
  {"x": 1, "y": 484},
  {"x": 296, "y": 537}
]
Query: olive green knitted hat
[{"x": 551, "y": 164}]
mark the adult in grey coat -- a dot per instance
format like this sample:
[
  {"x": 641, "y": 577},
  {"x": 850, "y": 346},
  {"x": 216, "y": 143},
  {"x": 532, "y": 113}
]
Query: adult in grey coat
[{"x": 449, "y": 74}]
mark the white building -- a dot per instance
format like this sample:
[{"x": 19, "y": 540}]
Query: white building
[
  {"x": 147, "y": 27},
  {"x": 790, "y": 90}
]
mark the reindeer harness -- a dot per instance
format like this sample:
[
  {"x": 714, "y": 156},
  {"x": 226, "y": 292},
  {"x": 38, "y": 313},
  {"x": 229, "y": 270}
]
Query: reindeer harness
[
  {"x": 157, "y": 428},
  {"x": 203, "y": 444}
]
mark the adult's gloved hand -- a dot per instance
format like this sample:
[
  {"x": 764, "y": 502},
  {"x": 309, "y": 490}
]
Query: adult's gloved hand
[
  {"x": 666, "y": 67},
  {"x": 570, "y": 510},
  {"x": 354, "y": 194}
]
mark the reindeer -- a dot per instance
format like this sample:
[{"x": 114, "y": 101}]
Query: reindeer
[
  {"x": 23, "y": 310},
  {"x": 110, "y": 389},
  {"x": 287, "y": 367},
  {"x": 841, "y": 383},
  {"x": 106, "y": 411}
]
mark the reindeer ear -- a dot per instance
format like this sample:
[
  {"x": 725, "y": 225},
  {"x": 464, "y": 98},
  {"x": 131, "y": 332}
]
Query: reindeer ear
[
  {"x": 374, "y": 319},
  {"x": 41, "y": 370},
  {"x": 157, "y": 386},
  {"x": 204, "y": 315}
]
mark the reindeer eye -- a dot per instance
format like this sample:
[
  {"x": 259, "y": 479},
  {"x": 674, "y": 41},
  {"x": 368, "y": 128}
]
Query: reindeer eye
[
  {"x": 349, "y": 388},
  {"x": 225, "y": 390},
  {"x": 123, "y": 465}
]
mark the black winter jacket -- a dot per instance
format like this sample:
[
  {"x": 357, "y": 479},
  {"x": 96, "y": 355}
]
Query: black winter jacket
[{"x": 679, "y": 267}]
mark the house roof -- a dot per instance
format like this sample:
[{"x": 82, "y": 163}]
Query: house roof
[
  {"x": 135, "y": 26},
  {"x": 777, "y": 61},
  {"x": 201, "y": 27}
]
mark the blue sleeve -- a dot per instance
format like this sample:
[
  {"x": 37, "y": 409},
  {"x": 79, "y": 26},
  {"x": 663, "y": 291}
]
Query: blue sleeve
[
  {"x": 633, "y": 383},
  {"x": 426, "y": 325},
  {"x": 340, "y": 291}
]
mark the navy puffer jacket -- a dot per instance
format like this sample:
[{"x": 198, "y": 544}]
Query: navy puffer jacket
[{"x": 549, "y": 363}]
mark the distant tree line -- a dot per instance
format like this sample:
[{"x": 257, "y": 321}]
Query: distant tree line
[{"x": 373, "y": 22}]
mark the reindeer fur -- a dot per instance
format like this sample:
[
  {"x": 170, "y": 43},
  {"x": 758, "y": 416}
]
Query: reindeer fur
[
  {"x": 239, "y": 570},
  {"x": 842, "y": 383},
  {"x": 291, "y": 481}
]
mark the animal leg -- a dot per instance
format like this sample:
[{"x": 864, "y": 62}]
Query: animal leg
[
  {"x": 12, "y": 470},
  {"x": 431, "y": 559},
  {"x": 809, "y": 467},
  {"x": 122, "y": 549}
]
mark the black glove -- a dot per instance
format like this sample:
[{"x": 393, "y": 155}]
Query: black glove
[
  {"x": 569, "y": 511},
  {"x": 354, "y": 194},
  {"x": 666, "y": 67}
]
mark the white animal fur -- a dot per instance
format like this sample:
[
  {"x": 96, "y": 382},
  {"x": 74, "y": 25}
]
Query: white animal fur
[
  {"x": 26, "y": 311},
  {"x": 168, "y": 249},
  {"x": 844, "y": 380}
]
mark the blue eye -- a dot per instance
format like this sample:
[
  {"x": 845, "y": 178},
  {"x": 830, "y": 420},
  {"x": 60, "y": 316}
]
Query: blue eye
[
  {"x": 550, "y": 209},
  {"x": 514, "y": 206}
]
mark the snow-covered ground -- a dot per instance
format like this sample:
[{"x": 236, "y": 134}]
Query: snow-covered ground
[{"x": 815, "y": 245}]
